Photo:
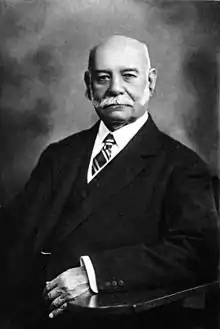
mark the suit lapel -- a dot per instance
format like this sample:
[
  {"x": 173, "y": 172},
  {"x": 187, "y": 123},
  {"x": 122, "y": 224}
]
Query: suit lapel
[{"x": 121, "y": 171}]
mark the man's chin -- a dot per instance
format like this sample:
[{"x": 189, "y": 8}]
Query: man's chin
[
  {"x": 114, "y": 113},
  {"x": 114, "y": 120}
]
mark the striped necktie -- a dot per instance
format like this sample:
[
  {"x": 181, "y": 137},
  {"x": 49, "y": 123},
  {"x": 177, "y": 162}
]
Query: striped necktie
[{"x": 104, "y": 155}]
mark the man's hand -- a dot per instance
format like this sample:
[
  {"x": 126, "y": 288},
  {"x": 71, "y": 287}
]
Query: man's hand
[{"x": 64, "y": 288}]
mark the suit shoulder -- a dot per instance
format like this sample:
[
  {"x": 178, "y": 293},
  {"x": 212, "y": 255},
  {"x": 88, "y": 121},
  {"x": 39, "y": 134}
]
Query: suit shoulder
[
  {"x": 73, "y": 139},
  {"x": 70, "y": 142},
  {"x": 59, "y": 151}
]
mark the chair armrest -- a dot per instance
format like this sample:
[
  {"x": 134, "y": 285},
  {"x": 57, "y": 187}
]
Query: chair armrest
[{"x": 135, "y": 301}]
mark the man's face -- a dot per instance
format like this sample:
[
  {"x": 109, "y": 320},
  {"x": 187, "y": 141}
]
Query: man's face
[{"x": 119, "y": 86}]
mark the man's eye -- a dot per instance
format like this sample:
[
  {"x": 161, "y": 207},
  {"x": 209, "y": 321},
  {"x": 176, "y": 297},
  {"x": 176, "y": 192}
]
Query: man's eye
[
  {"x": 102, "y": 79},
  {"x": 129, "y": 76}
]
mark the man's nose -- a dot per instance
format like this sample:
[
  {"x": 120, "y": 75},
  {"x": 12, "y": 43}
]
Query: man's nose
[{"x": 116, "y": 86}]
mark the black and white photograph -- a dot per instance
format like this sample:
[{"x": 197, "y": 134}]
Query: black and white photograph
[{"x": 109, "y": 164}]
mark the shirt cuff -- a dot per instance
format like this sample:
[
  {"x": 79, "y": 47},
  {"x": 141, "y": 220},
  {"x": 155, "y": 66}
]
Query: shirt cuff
[{"x": 86, "y": 262}]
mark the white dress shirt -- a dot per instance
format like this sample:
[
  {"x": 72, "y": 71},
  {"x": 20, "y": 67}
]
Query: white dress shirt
[{"x": 122, "y": 136}]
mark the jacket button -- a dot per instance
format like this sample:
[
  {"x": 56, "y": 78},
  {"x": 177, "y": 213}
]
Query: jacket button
[
  {"x": 107, "y": 284},
  {"x": 121, "y": 283},
  {"x": 114, "y": 283}
]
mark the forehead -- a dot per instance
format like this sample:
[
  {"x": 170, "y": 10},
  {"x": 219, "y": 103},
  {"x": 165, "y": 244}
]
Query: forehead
[{"x": 121, "y": 55}]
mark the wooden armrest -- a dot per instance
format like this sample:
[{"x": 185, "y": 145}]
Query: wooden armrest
[{"x": 135, "y": 301}]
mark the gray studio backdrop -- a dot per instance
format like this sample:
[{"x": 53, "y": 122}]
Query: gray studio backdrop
[{"x": 44, "y": 47}]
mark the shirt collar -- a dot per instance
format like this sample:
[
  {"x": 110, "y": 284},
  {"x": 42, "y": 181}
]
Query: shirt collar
[{"x": 122, "y": 135}]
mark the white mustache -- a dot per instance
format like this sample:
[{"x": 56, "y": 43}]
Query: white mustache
[{"x": 113, "y": 101}]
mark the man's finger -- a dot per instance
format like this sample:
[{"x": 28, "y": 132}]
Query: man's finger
[
  {"x": 58, "y": 302},
  {"x": 54, "y": 293},
  {"x": 58, "y": 311},
  {"x": 50, "y": 285}
]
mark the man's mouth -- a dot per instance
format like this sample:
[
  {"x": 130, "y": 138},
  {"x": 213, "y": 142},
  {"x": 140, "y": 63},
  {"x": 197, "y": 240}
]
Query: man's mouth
[{"x": 115, "y": 106}]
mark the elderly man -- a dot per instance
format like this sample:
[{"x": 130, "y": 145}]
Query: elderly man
[{"x": 117, "y": 207}]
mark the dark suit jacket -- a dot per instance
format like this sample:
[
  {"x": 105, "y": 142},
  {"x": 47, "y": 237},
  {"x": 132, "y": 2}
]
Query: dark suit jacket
[{"x": 147, "y": 220}]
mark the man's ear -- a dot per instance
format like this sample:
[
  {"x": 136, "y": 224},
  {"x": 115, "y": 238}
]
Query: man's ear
[
  {"x": 87, "y": 80},
  {"x": 152, "y": 78}
]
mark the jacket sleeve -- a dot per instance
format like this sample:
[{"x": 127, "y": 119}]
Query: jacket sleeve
[
  {"x": 19, "y": 219},
  {"x": 188, "y": 250},
  {"x": 20, "y": 216}
]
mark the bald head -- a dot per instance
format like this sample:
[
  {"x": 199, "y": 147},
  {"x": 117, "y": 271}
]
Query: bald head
[{"x": 120, "y": 42}]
